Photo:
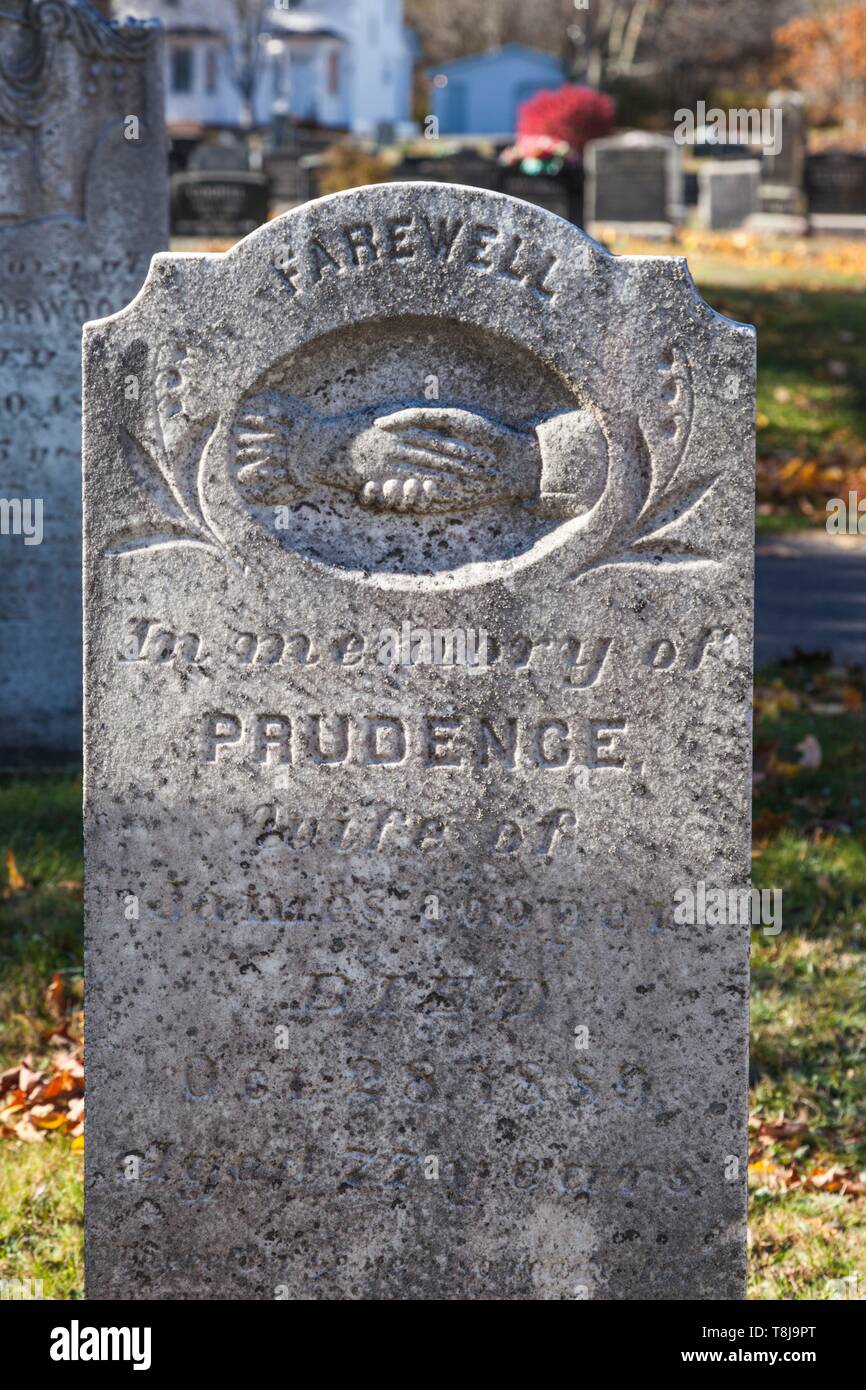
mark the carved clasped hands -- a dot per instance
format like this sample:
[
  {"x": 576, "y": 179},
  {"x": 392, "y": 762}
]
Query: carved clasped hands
[{"x": 414, "y": 459}]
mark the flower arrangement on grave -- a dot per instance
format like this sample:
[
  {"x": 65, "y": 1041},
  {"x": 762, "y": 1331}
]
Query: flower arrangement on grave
[{"x": 539, "y": 154}]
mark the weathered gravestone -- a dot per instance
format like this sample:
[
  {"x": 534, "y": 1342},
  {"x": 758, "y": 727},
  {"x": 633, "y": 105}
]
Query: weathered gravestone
[
  {"x": 632, "y": 178},
  {"x": 728, "y": 192},
  {"x": 419, "y": 608},
  {"x": 83, "y": 205}
]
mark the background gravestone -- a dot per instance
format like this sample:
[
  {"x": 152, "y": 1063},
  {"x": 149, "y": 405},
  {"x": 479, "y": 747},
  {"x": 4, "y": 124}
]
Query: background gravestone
[
  {"x": 460, "y": 165},
  {"x": 82, "y": 208},
  {"x": 836, "y": 183},
  {"x": 386, "y": 997},
  {"x": 728, "y": 192},
  {"x": 782, "y": 173},
  {"x": 225, "y": 154},
  {"x": 209, "y": 202},
  {"x": 632, "y": 178},
  {"x": 560, "y": 193}
]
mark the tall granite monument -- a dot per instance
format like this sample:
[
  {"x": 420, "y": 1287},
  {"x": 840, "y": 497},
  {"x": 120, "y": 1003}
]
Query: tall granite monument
[
  {"x": 782, "y": 174},
  {"x": 419, "y": 615},
  {"x": 83, "y": 205}
]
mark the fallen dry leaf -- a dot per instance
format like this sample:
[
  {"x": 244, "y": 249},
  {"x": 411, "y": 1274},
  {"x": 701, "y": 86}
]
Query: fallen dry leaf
[
  {"x": 28, "y": 1080},
  {"x": 8, "y": 1080},
  {"x": 36, "y": 1103},
  {"x": 783, "y": 1129},
  {"x": 768, "y": 824},
  {"x": 55, "y": 997},
  {"x": 17, "y": 882}
]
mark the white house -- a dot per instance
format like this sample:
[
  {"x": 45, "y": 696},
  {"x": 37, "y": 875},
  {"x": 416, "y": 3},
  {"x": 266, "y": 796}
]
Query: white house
[{"x": 340, "y": 63}]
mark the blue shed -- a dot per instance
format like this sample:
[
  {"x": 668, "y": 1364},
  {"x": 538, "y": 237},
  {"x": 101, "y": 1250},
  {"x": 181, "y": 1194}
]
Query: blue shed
[{"x": 479, "y": 95}]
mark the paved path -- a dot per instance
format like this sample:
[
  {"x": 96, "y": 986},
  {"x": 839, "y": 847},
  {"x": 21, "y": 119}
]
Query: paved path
[{"x": 810, "y": 592}]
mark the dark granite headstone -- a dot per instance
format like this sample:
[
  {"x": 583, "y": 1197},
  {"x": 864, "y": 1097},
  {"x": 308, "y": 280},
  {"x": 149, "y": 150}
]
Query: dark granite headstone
[
  {"x": 633, "y": 178},
  {"x": 836, "y": 182},
  {"x": 464, "y": 166},
  {"x": 209, "y": 203},
  {"x": 562, "y": 194}
]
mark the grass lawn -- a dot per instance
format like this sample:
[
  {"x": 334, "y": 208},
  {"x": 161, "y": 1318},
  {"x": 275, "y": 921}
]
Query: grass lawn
[
  {"x": 41, "y": 1188},
  {"x": 809, "y": 985}
]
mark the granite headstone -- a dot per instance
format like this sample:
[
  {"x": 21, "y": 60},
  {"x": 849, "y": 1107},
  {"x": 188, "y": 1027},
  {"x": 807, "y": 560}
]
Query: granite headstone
[
  {"x": 634, "y": 178},
  {"x": 210, "y": 202},
  {"x": 782, "y": 172},
  {"x": 560, "y": 193},
  {"x": 836, "y": 182},
  {"x": 727, "y": 192}
]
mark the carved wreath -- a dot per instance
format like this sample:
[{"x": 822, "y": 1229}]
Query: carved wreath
[{"x": 422, "y": 459}]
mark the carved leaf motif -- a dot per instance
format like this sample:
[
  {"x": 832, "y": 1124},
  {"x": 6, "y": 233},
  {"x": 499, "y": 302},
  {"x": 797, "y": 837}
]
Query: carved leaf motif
[
  {"x": 180, "y": 506},
  {"x": 644, "y": 536},
  {"x": 127, "y": 545},
  {"x": 185, "y": 425},
  {"x": 151, "y": 482},
  {"x": 669, "y": 429},
  {"x": 179, "y": 402},
  {"x": 658, "y": 558},
  {"x": 671, "y": 508}
]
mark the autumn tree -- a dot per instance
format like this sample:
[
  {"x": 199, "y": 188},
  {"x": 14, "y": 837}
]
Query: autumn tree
[
  {"x": 683, "y": 41},
  {"x": 608, "y": 34},
  {"x": 454, "y": 28},
  {"x": 824, "y": 55}
]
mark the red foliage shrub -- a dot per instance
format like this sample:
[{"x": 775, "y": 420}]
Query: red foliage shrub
[{"x": 570, "y": 113}]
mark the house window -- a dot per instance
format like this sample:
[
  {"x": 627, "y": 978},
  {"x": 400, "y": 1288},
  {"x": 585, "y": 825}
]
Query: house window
[
  {"x": 181, "y": 70},
  {"x": 211, "y": 77},
  {"x": 333, "y": 72}
]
